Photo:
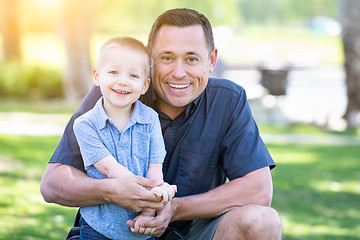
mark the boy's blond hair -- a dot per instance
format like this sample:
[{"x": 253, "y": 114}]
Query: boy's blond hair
[{"x": 127, "y": 42}]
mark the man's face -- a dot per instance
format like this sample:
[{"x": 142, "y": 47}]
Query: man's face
[{"x": 181, "y": 66}]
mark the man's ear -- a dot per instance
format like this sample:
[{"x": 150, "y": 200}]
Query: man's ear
[
  {"x": 146, "y": 86},
  {"x": 213, "y": 59},
  {"x": 96, "y": 80}
]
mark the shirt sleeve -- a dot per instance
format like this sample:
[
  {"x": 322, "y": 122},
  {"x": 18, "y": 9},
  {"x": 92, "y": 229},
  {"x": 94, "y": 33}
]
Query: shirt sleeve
[
  {"x": 91, "y": 146},
  {"x": 242, "y": 147},
  {"x": 157, "y": 146},
  {"x": 68, "y": 152}
]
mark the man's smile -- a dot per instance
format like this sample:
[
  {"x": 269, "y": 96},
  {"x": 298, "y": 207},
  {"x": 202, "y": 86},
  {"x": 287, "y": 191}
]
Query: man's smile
[{"x": 179, "y": 86}]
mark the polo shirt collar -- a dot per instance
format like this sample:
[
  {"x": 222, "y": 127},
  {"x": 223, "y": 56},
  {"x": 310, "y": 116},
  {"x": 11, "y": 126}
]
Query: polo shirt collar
[{"x": 139, "y": 115}]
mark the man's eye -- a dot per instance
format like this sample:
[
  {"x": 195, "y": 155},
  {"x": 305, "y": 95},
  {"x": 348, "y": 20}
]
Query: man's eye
[
  {"x": 193, "y": 59},
  {"x": 166, "y": 58}
]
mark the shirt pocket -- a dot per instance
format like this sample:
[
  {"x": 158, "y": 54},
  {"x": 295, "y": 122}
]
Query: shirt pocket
[
  {"x": 197, "y": 166},
  {"x": 140, "y": 144}
]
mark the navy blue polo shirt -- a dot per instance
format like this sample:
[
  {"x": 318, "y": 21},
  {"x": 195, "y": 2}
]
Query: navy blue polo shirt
[{"x": 215, "y": 138}]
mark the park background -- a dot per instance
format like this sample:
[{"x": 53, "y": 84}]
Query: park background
[{"x": 47, "y": 46}]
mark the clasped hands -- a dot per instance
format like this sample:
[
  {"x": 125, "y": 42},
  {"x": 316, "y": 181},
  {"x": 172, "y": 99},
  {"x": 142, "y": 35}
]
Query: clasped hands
[{"x": 165, "y": 193}]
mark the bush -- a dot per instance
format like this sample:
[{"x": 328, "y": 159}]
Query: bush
[{"x": 30, "y": 81}]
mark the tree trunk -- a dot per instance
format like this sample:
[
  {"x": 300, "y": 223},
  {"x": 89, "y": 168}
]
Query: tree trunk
[
  {"x": 11, "y": 30},
  {"x": 350, "y": 18},
  {"x": 76, "y": 33}
]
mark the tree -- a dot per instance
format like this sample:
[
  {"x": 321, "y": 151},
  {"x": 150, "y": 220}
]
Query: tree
[
  {"x": 11, "y": 30},
  {"x": 351, "y": 42},
  {"x": 76, "y": 17}
]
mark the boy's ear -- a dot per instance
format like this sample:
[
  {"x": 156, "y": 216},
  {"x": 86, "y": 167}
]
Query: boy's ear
[
  {"x": 146, "y": 86},
  {"x": 95, "y": 77}
]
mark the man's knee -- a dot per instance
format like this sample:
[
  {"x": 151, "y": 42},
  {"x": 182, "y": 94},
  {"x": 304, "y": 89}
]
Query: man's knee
[{"x": 250, "y": 222}]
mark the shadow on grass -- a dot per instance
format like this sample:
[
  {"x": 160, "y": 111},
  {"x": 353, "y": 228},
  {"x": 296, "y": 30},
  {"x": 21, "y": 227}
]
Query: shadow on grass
[{"x": 316, "y": 191}]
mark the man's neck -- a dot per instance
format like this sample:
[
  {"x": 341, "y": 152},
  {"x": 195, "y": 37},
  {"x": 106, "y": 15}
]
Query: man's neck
[{"x": 172, "y": 112}]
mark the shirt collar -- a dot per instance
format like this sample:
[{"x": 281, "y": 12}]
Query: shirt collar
[{"x": 140, "y": 114}]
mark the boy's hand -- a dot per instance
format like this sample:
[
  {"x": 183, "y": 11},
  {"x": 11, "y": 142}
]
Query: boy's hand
[
  {"x": 141, "y": 230},
  {"x": 165, "y": 191}
]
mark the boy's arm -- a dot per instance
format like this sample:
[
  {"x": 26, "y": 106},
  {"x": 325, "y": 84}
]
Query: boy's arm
[
  {"x": 154, "y": 173},
  {"x": 111, "y": 168}
]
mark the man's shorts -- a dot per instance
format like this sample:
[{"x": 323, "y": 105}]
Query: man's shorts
[{"x": 200, "y": 230}]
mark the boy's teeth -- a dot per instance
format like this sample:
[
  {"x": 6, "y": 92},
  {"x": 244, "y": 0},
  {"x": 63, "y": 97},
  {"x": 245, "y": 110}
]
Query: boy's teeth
[
  {"x": 178, "y": 86},
  {"x": 119, "y": 91}
]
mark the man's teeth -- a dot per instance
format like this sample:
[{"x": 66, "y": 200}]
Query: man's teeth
[
  {"x": 119, "y": 91},
  {"x": 178, "y": 86}
]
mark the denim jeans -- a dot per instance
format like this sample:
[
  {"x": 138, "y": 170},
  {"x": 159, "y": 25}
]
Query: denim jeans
[{"x": 87, "y": 233}]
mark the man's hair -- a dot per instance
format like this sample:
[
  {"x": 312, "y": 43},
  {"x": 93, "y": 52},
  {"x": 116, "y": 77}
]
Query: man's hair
[
  {"x": 182, "y": 17},
  {"x": 126, "y": 42}
]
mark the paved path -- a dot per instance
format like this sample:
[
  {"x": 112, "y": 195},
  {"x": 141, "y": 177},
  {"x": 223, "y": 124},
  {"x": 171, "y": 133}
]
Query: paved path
[
  {"x": 54, "y": 124},
  {"x": 314, "y": 139}
]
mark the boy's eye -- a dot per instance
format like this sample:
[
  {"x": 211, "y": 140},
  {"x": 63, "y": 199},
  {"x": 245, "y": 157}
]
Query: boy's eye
[
  {"x": 113, "y": 72},
  {"x": 134, "y": 76}
]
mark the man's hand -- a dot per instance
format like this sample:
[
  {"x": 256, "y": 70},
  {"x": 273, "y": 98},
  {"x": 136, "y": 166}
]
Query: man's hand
[
  {"x": 133, "y": 193},
  {"x": 158, "y": 224}
]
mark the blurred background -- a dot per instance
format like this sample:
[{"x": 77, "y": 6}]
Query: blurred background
[{"x": 299, "y": 62}]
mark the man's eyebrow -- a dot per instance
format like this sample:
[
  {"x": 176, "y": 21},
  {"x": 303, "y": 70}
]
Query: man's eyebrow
[
  {"x": 192, "y": 53},
  {"x": 166, "y": 52},
  {"x": 187, "y": 53}
]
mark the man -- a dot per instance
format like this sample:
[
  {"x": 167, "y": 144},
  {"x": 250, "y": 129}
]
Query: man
[{"x": 209, "y": 135}]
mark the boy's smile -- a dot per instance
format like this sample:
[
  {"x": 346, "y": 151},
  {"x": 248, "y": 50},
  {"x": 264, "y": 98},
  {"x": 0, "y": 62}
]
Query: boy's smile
[{"x": 122, "y": 77}]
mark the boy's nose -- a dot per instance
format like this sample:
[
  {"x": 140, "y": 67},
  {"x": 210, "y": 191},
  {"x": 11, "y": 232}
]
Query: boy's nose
[{"x": 122, "y": 81}]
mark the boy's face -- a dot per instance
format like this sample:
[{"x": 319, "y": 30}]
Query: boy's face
[
  {"x": 122, "y": 76},
  {"x": 181, "y": 66}
]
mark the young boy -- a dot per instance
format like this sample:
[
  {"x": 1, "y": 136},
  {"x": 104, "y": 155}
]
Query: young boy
[{"x": 121, "y": 136}]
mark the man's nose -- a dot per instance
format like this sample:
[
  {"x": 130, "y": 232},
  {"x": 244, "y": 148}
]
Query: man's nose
[{"x": 179, "y": 69}]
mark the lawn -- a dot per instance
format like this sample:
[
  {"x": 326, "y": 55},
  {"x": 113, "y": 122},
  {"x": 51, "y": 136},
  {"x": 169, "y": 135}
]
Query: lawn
[
  {"x": 24, "y": 214},
  {"x": 316, "y": 191}
]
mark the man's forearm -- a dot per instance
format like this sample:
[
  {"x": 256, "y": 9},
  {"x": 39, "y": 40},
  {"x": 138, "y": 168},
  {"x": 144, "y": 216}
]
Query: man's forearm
[
  {"x": 254, "y": 188},
  {"x": 68, "y": 186}
]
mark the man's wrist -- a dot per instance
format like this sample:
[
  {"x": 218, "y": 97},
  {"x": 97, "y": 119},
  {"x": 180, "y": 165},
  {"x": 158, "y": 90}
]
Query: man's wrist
[
  {"x": 175, "y": 202},
  {"x": 105, "y": 190}
]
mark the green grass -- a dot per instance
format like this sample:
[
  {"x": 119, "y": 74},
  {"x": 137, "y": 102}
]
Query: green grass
[
  {"x": 24, "y": 214},
  {"x": 316, "y": 191}
]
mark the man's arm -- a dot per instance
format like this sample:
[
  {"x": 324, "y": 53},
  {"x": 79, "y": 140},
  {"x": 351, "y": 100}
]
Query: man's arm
[
  {"x": 254, "y": 188},
  {"x": 128, "y": 191}
]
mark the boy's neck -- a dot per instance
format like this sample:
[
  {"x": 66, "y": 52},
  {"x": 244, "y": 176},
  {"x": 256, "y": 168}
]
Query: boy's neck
[{"x": 120, "y": 116}]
